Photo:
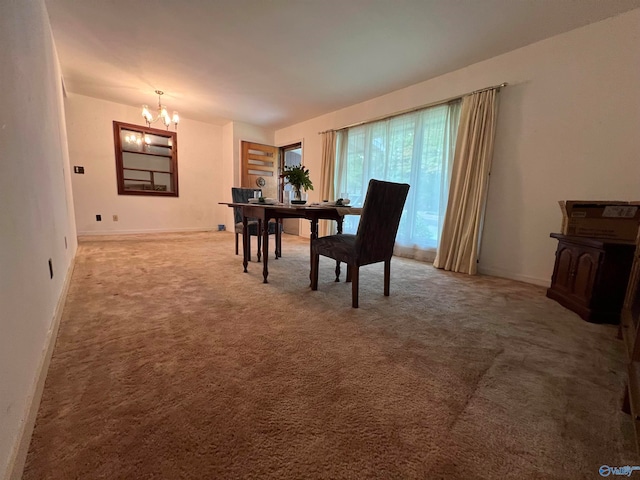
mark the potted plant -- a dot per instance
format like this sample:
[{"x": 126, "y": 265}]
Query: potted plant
[{"x": 298, "y": 178}]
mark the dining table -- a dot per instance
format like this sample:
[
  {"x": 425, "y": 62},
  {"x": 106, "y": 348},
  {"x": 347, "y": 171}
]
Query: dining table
[{"x": 264, "y": 212}]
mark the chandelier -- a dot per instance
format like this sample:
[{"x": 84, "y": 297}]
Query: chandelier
[{"x": 162, "y": 114}]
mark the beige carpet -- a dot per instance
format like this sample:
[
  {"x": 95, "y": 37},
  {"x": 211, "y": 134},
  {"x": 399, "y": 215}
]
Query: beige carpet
[{"x": 171, "y": 363}]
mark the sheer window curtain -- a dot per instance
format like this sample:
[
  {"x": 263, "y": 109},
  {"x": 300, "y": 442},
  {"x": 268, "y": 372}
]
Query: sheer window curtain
[
  {"x": 327, "y": 176},
  {"x": 460, "y": 243},
  {"x": 416, "y": 148}
]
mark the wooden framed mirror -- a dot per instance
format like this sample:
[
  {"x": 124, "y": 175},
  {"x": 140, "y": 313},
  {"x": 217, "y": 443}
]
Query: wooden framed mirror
[{"x": 146, "y": 160}]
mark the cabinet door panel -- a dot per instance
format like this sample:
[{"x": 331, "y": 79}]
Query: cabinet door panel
[
  {"x": 563, "y": 269},
  {"x": 585, "y": 274}
]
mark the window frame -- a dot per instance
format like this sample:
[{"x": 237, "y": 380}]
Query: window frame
[{"x": 173, "y": 173}]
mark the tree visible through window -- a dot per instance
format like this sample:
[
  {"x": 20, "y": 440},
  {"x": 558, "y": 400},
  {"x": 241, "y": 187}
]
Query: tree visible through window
[{"x": 414, "y": 148}]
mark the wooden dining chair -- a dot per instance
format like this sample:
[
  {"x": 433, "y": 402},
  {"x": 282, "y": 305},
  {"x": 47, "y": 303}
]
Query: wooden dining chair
[
  {"x": 242, "y": 195},
  {"x": 372, "y": 243}
]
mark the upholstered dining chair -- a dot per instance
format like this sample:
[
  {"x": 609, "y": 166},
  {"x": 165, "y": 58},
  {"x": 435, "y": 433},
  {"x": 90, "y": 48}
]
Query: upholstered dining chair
[
  {"x": 372, "y": 243},
  {"x": 242, "y": 195}
]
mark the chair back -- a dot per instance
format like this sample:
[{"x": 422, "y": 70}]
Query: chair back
[
  {"x": 380, "y": 220},
  {"x": 241, "y": 195}
]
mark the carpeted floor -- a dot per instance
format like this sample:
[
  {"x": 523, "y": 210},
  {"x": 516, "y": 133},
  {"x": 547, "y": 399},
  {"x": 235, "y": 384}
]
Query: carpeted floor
[{"x": 173, "y": 364}]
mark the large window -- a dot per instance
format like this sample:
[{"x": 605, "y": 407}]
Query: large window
[
  {"x": 146, "y": 160},
  {"x": 414, "y": 148}
]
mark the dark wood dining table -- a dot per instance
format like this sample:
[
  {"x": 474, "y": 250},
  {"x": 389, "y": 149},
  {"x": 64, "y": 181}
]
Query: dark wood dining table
[{"x": 265, "y": 212}]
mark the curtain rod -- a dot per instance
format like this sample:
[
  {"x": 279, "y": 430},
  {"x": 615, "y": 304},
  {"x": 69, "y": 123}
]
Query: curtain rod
[{"x": 414, "y": 109}]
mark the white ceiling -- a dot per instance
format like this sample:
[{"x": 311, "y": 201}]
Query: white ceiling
[{"x": 274, "y": 63}]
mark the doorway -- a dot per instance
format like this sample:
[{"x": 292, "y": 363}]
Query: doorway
[
  {"x": 291, "y": 156},
  {"x": 262, "y": 167}
]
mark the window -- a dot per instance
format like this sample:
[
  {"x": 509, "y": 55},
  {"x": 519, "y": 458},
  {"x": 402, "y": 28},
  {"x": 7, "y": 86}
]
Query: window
[
  {"x": 292, "y": 155},
  {"x": 415, "y": 148},
  {"x": 146, "y": 160}
]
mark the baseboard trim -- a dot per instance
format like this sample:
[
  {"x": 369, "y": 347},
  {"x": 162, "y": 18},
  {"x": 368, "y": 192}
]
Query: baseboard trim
[
  {"x": 497, "y": 272},
  {"x": 159, "y": 230},
  {"x": 19, "y": 456}
]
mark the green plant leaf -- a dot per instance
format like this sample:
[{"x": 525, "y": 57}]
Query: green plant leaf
[{"x": 298, "y": 177}]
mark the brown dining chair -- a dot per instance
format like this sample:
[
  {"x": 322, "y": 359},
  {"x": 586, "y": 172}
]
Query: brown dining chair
[
  {"x": 242, "y": 195},
  {"x": 372, "y": 243}
]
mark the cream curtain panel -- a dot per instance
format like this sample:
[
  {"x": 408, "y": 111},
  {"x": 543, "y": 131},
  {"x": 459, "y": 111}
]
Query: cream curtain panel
[
  {"x": 327, "y": 175},
  {"x": 460, "y": 240}
]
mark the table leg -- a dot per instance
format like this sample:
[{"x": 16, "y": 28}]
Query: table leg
[
  {"x": 339, "y": 223},
  {"x": 265, "y": 249},
  {"x": 278, "y": 238},
  {"x": 245, "y": 243}
]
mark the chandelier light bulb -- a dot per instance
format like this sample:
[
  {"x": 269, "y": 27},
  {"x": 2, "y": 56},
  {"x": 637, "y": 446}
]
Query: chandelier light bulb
[{"x": 145, "y": 111}]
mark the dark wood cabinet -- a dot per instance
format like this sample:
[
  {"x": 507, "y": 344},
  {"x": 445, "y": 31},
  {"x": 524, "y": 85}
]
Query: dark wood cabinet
[
  {"x": 590, "y": 276},
  {"x": 630, "y": 332}
]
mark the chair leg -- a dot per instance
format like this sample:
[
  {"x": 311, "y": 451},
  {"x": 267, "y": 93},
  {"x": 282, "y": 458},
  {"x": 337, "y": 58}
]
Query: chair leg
[
  {"x": 348, "y": 279},
  {"x": 259, "y": 240},
  {"x": 315, "y": 264},
  {"x": 387, "y": 276},
  {"x": 278, "y": 238},
  {"x": 338, "y": 270},
  {"x": 355, "y": 277},
  {"x": 236, "y": 243}
]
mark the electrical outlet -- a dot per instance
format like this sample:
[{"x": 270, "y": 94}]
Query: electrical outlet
[
  {"x": 98, "y": 218},
  {"x": 78, "y": 169},
  {"x": 115, "y": 218}
]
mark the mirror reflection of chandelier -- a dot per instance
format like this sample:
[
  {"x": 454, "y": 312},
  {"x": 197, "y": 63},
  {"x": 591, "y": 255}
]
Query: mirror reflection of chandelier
[
  {"x": 137, "y": 139},
  {"x": 162, "y": 114}
]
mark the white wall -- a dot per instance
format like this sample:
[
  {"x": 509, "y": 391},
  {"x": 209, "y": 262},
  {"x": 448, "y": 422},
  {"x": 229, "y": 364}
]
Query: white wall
[
  {"x": 36, "y": 213},
  {"x": 567, "y": 129},
  {"x": 200, "y": 174}
]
